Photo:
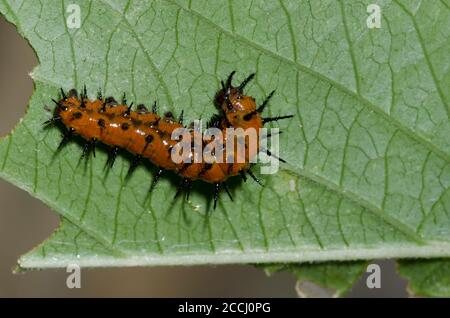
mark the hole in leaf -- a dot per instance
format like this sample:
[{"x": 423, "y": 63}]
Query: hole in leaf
[{"x": 17, "y": 59}]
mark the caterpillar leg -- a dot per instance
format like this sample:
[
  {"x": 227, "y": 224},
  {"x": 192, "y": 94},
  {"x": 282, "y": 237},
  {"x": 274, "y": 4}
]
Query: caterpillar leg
[
  {"x": 51, "y": 122},
  {"x": 216, "y": 194},
  {"x": 227, "y": 190},
  {"x": 180, "y": 119},
  {"x": 84, "y": 92},
  {"x": 89, "y": 147},
  {"x": 185, "y": 184},
  {"x": 112, "y": 155},
  {"x": 83, "y": 97},
  {"x": 227, "y": 92},
  {"x": 128, "y": 111},
  {"x": 264, "y": 103},
  {"x": 243, "y": 175},
  {"x": 60, "y": 106},
  {"x": 66, "y": 138},
  {"x": 250, "y": 173},
  {"x": 188, "y": 189},
  {"x": 260, "y": 108},
  {"x": 230, "y": 79},
  {"x": 156, "y": 179},
  {"x": 135, "y": 162},
  {"x": 217, "y": 188},
  {"x": 245, "y": 82},
  {"x": 267, "y": 151},
  {"x": 63, "y": 94}
]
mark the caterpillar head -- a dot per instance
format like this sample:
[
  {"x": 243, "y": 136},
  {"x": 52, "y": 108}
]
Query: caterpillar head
[{"x": 238, "y": 110}]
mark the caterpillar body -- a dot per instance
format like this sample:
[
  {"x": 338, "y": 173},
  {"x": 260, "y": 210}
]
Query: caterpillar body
[{"x": 147, "y": 135}]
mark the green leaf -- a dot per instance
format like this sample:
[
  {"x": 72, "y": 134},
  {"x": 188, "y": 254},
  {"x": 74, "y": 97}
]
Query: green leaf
[
  {"x": 67, "y": 244},
  {"x": 368, "y": 149},
  {"x": 427, "y": 277},
  {"x": 336, "y": 278}
]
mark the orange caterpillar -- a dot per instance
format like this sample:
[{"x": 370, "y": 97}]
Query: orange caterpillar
[{"x": 145, "y": 134}]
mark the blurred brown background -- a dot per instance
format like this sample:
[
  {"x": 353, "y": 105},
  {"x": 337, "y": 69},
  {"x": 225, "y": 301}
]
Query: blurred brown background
[{"x": 25, "y": 222}]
